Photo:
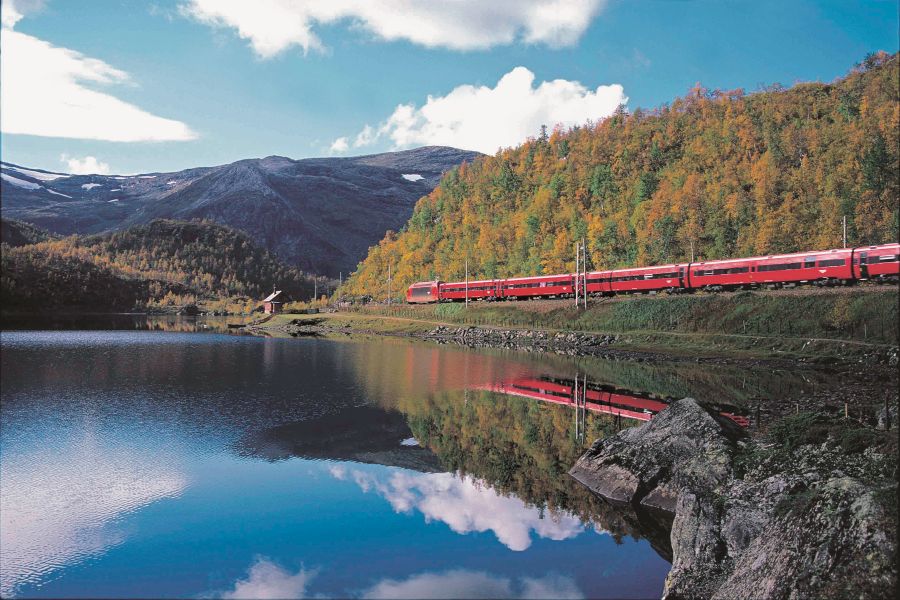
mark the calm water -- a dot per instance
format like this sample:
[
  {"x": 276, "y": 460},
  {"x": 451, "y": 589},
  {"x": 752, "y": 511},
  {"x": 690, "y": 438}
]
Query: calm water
[{"x": 159, "y": 463}]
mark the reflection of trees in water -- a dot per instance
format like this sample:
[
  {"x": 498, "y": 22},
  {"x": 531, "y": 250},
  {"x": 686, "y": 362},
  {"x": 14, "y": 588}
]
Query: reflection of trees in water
[
  {"x": 520, "y": 447},
  {"x": 737, "y": 385}
]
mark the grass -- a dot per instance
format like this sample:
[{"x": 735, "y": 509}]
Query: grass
[{"x": 824, "y": 324}]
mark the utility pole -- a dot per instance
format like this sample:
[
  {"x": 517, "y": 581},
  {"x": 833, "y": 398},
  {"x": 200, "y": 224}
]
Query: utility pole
[
  {"x": 584, "y": 270},
  {"x": 577, "y": 261},
  {"x": 467, "y": 282},
  {"x": 389, "y": 285},
  {"x": 692, "y": 250},
  {"x": 844, "y": 219},
  {"x": 315, "y": 287}
]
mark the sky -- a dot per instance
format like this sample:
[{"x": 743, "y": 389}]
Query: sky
[{"x": 124, "y": 87}]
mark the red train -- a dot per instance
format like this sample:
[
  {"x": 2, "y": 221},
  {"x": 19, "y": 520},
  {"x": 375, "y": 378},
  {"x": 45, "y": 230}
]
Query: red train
[
  {"x": 826, "y": 267},
  {"x": 596, "y": 398}
]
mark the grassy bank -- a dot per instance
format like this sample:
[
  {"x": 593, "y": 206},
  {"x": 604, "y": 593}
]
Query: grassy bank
[
  {"x": 863, "y": 315},
  {"x": 811, "y": 323}
]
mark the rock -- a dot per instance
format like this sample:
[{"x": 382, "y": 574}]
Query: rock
[
  {"x": 887, "y": 418},
  {"x": 798, "y": 528}
]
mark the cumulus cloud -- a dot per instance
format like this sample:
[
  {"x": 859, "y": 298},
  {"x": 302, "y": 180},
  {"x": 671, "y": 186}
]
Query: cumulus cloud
[
  {"x": 89, "y": 165},
  {"x": 488, "y": 118},
  {"x": 340, "y": 145},
  {"x": 462, "y": 583},
  {"x": 467, "y": 505},
  {"x": 266, "y": 579},
  {"x": 272, "y": 26},
  {"x": 45, "y": 93}
]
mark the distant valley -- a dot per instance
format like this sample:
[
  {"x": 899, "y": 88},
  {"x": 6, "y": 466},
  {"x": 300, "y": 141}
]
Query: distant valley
[{"x": 320, "y": 214}]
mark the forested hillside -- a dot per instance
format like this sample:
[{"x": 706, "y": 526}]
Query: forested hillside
[
  {"x": 17, "y": 233},
  {"x": 724, "y": 172},
  {"x": 163, "y": 263}
]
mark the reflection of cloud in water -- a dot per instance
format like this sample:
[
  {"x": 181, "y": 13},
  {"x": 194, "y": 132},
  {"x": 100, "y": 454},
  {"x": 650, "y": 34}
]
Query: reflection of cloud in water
[
  {"x": 467, "y": 505},
  {"x": 56, "y": 504},
  {"x": 266, "y": 579},
  {"x": 474, "y": 584}
]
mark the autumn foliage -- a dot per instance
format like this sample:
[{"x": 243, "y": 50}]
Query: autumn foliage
[
  {"x": 722, "y": 173},
  {"x": 163, "y": 263}
]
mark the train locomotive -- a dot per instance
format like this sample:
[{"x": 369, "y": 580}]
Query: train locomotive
[{"x": 842, "y": 266}]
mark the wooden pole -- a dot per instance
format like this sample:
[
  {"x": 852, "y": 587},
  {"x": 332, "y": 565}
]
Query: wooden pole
[
  {"x": 389, "y": 285},
  {"x": 467, "y": 283},
  {"x": 577, "y": 248},
  {"x": 584, "y": 274},
  {"x": 844, "y": 219}
]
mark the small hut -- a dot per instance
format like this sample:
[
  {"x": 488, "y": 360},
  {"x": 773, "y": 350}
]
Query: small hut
[{"x": 273, "y": 302}]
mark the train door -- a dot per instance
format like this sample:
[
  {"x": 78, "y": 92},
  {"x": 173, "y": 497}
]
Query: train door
[{"x": 863, "y": 267}]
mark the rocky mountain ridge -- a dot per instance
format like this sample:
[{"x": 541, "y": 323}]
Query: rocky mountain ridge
[{"x": 319, "y": 214}]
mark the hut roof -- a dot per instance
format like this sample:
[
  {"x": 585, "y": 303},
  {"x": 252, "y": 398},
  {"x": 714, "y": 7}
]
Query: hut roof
[{"x": 271, "y": 297}]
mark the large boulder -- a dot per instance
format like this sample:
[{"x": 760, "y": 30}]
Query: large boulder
[{"x": 754, "y": 520}]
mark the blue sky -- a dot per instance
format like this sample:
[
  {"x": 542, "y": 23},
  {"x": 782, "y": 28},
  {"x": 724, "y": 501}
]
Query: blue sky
[{"x": 187, "y": 83}]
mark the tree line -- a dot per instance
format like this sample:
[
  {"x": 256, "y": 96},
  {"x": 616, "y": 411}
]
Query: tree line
[{"x": 163, "y": 263}]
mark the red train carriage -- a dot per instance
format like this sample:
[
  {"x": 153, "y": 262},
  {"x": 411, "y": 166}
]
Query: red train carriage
[
  {"x": 811, "y": 267},
  {"x": 423, "y": 293},
  {"x": 877, "y": 262},
  {"x": 644, "y": 279},
  {"x": 542, "y": 287},
  {"x": 487, "y": 289}
]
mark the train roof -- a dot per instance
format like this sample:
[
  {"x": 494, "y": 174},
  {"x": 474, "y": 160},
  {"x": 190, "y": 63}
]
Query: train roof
[{"x": 774, "y": 256}]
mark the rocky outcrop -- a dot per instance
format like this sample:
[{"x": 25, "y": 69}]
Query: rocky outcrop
[
  {"x": 751, "y": 521},
  {"x": 575, "y": 343}
]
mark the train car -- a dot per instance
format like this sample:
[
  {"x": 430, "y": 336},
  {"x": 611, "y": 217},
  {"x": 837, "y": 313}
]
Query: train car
[
  {"x": 423, "y": 292},
  {"x": 823, "y": 267},
  {"x": 881, "y": 263},
  {"x": 647, "y": 279},
  {"x": 486, "y": 289},
  {"x": 538, "y": 287}
]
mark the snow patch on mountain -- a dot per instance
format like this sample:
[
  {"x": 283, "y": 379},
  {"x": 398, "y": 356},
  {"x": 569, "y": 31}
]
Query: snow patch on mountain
[
  {"x": 37, "y": 174},
  {"x": 20, "y": 183},
  {"x": 90, "y": 186},
  {"x": 412, "y": 177},
  {"x": 58, "y": 193}
]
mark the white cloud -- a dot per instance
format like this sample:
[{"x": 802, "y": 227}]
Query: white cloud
[
  {"x": 267, "y": 580},
  {"x": 461, "y": 583},
  {"x": 485, "y": 119},
  {"x": 365, "y": 137},
  {"x": 340, "y": 145},
  {"x": 272, "y": 26},
  {"x": 55, "y": 511},
  {"x": 89, "y": 165},
  {"x": 44, "y": 93},
  {"x": 467, "y": 505}
]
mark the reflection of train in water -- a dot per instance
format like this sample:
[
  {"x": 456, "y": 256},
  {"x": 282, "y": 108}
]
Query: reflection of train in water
[
  {"x": 827, "y": 267},
  {"x": 593, "y": 397}
]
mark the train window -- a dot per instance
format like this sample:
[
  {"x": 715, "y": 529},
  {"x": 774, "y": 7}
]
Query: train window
[
  {"x": 833, "y": 262},
  {"x": 421, "y": 292},
  {"x": 780, "y": 267},
  {"x": 889, "y": 257},
  {"x": 809, "y": 262}
]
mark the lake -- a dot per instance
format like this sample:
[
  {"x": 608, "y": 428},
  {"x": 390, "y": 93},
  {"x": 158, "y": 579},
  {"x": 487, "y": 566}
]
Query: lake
[{"x": 146, "y": 462}]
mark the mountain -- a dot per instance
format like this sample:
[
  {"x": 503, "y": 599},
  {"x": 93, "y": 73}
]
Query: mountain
[
  {"x": 714, "y": 174},
  {"x": 318, "y": 214},
  {"x": 163, "y": 264}
]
